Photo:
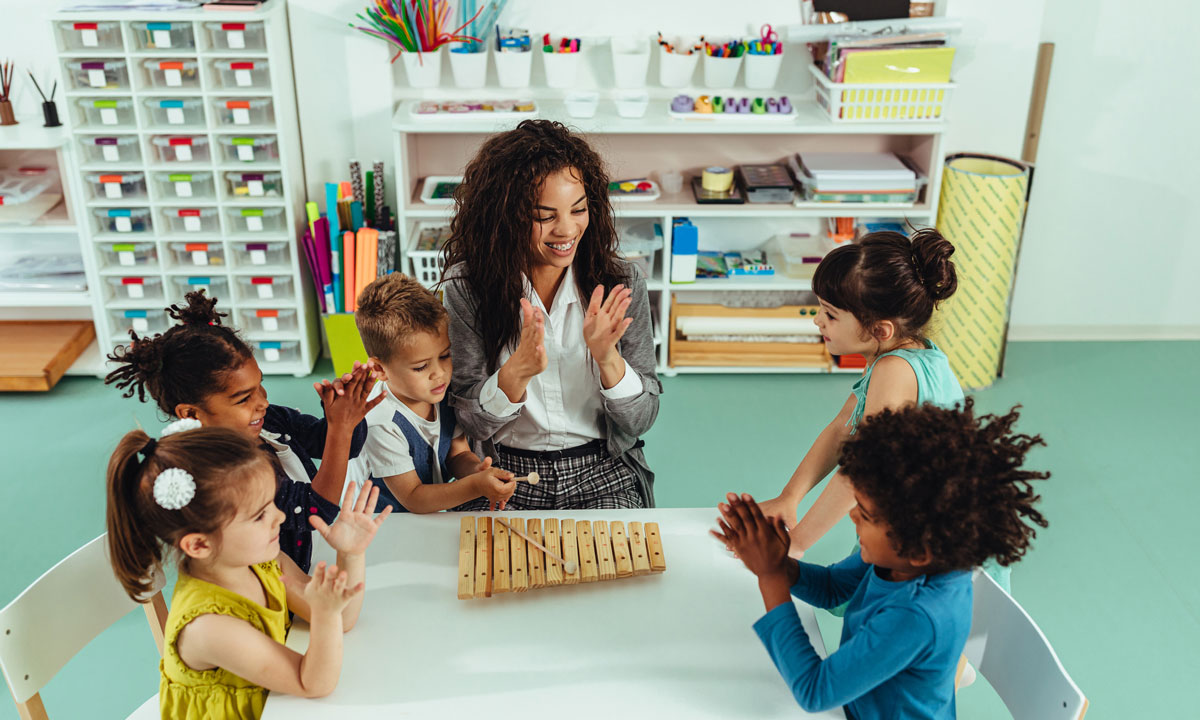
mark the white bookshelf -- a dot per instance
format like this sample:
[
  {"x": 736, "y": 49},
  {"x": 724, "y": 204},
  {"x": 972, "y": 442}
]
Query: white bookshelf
[{"x": 225, "y": 253}]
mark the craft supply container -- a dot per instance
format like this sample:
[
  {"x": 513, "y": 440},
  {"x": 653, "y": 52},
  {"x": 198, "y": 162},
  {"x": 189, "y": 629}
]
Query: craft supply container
[
  {"x": 631, "y": 61},
  {"x": 469, "y": 68},
  {"x": 215, "y": 286},
  {"x": 89, "y": 74},
  {"x": 136, "y": 289},
  {"x": 247, "y": 74},
  {"x": 143, "y": 321},
  {"x": 171, "y": 149},
  {"x": 232, "y": 112},
  {"x": 675, "y": 70},
  {"x": 163, "y": 35},
  {"x": 424, "y": 69},
  {"x": 88, "y": 36},
  {"x": 513, "y": 68},
  {"x": 172, "y": 74},
  {"x": 266, "y": 321},
  {"x": 257, "y": 289},
  {"x": 248, "y": 185},
  {"x": 197, "y": 254},
  {"x": 187, "y": 221},
  {"x": 140, "y": 255},
  {"x": 122, "y": 220},
  {"x": 116, "y": 186},
  {"x": 110, "y": 149},
  {"x": 236, "y": 35},
  {"x": 175, "y": 112},
  {"x": 184, "y": 185},
  {"x": 260, "y": 254},
  {"x": 106, "y": 113},
  {"x": 249, "y": 149}
]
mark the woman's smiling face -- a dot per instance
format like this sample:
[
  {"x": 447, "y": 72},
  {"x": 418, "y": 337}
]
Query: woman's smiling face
[{"x": 560, "y": 218}]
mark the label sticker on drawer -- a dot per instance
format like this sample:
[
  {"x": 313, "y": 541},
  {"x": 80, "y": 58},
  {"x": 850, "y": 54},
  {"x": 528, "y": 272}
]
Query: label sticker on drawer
[
  {"x": 183, "y": 149},
  {"x": 266, "y": 291},
  {"x": 96, "y": 78},
  {"x": 269, "y": 319},
  {"x": 110, "y": 153},
  {"x": 270, "y": 351},
  {"x": 134, "y": 287},
  {"x": 258, "y": 253},
  {"x": 161, "y": 34},
  {"x": 241, "y": 111},
  {"x": 108, "y": 111},
  {"x": 191, "y": 220},
  {"x": 172, "y": 73},
  {"x": 174, "y": 110},
  {"x": 200, "y": 283},
  {"x": 235, "y": 35},
  {"x": 112, "y": 186},
  {"x": 254, "y": 185},
  {"x": 183, "y": 184},
  {"x": 138, "y": 320},
  {"x": 254, "y": 221},
  {"x": 199, "y": 252},
  {"x": 245, "y": 149},
  {"x": 87, "y": 34},
  {"x": 241, "y": 73},
  {"x": 125, "y": 254},
  {"x": 122, "y": 222}
]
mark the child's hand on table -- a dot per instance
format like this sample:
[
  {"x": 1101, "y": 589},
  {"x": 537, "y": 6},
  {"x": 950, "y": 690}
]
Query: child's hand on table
[
  {"x": 356, "y": 523},
  {"x": 493, "y": 483}
]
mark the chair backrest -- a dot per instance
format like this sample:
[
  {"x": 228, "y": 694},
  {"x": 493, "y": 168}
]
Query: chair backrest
[
  {"x": 60, "y": 613},
  {"x": 1009, "y": 649}
]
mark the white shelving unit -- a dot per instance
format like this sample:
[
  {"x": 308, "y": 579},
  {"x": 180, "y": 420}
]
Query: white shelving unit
[{"x": 158, "y": 210}]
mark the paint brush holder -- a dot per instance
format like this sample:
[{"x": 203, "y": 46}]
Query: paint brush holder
[
  {"x": 6, "y": 113},
  {"x": 50, "y": 113}
]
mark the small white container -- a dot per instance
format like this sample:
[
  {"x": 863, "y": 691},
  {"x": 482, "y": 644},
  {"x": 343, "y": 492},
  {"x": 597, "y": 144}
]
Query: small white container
[
  {"x": 469, "y": 68},
  {"x": 671, "y": 181},
  {"x": 762, "y": 70},
  {"x": 215, "y": 286},
  {"x": 254, "y": 220},
  {"x": 195, "y": 255},
  {"x": 189, "y": 221},
  {"x": 172, "y": 74},
  {"x": 797, "y": 256},
  {"x": 582, "y": 103},
  {"x": 165, "y": 36},
  {"x": 250, "y": 185},
  {"x": 423, "y": 69},
  {"x": 631, "y": 60},
  {"x": 106, "y": 113},
  {"x": 236, "y": 35},
  {"x": 78, "y": 36},
  {"x": 132, "y": 221},
  {"x": 262, "y": 289},
  {"x": 143, "y": 321},
  {"x": 98, "y": 74},
  {"x": 140, "y": 255},
  {"x": 271, "y": 352},
  {"x": 675, "y": 70},
  {"x": 135, "y": 288},
  {"x": 262, "y": 149},
  {"x": 184, "y": 185},
  {"x": 513, "y": 67},
  {"x": 721, "y": 72},
  {"x": 235, "y": 112},
  {"x": 561, "y": 68},
  {"x": 175, "y": 112},
  {"x": 268, "y": 321},
  {"x": 246, "y": 74},
  {"x": 632, "y": 103},
  {"x": 180, "y": 149},
  {"x": 110, "y": 149},
  {"x": 116, "y": 186},
  {"x": 261, "y": 254}
]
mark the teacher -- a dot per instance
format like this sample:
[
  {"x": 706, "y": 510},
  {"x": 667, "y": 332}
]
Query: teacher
[{"x": 554, "y": 359}]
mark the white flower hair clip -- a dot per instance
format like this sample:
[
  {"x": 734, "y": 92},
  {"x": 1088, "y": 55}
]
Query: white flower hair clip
[
  {"x": 180, "y": 426},
  {"x": 174, "y": 488}
]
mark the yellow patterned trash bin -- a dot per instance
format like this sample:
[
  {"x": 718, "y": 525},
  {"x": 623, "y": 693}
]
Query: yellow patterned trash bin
[{"x": 981, "y": 211}]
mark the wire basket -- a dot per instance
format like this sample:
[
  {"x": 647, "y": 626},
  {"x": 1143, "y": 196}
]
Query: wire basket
[
  {"x": 424, "y": 265},
  {"x": 882, "y": 103}
]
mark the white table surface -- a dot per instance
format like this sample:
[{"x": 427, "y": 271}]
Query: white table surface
[{"x": 676, "y": 644}]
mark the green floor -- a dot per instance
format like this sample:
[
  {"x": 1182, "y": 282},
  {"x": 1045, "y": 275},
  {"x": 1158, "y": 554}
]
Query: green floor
[{"x": 1110, "y": 581}]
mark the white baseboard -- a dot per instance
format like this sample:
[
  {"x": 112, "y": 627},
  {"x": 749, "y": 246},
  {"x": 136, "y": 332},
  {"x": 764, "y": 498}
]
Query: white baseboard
[{"x": 1051, "y": 333}]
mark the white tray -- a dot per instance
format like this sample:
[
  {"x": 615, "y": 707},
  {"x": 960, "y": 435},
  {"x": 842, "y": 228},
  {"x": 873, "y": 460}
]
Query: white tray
[
  {"x": 484, "y": 115},
  {"x": 734, "y": 117},
  {"x": 654, "y": 194},
  {"x": 431, "y": 182}
]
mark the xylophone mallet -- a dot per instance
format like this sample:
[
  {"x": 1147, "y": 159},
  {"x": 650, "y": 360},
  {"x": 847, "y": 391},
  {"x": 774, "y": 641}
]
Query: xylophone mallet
[
  {"x": 532, "y": 478},
  {"x": 569, "y": 568}
]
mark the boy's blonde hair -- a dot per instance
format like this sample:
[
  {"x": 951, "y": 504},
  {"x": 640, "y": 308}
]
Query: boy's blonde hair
[{"x": 391, "y": 309}]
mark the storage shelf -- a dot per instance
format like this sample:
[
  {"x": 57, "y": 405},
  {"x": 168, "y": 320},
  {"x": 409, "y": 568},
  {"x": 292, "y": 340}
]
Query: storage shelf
[
  {"x": 761, "y": 282},
  {"x": 723, "y": 369},
  {"x": 35, "y": 298},
  {"x": 28, "y": 134}
]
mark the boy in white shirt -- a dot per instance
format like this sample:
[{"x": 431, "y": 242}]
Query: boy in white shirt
[{"x": 414, "y": 447}]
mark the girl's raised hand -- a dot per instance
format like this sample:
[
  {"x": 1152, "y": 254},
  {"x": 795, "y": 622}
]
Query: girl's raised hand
[
  {"x": 357, "y": 522},
  {"x": 605, "y": 322},
  {"x": 529, "y": 359},
  {"x": 327, "y": 591},
  {"x": 348, "y": 407}
]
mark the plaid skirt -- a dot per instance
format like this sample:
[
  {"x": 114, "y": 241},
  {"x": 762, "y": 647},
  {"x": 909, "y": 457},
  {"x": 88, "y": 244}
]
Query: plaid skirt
[{"x": 589, "y": 482}]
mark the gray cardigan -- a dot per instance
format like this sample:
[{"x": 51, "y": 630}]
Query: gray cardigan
[{"x": 624, "y": 419}]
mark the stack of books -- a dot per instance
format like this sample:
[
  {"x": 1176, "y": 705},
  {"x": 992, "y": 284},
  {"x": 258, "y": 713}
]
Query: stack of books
[
  {"x": 856, "y": 177},
  {"x": 896, "y": 58}
]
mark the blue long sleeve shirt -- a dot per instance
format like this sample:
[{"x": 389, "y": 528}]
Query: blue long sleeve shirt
[{"x": 900, "y": 642}]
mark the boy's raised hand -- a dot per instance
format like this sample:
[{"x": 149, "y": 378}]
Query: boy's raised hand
[
  {"x": 760, "y": 542},
  {"x": 357, "y": 522}
]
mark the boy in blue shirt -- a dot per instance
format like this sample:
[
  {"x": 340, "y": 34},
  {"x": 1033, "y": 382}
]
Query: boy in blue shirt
[{"x": 939, "y": 491}]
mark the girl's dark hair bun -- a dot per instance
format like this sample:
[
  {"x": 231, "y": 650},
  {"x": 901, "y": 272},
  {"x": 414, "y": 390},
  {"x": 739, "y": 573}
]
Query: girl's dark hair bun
[
  {"x": 931, "y": 258},
  {"x": 200, "y": 310}
]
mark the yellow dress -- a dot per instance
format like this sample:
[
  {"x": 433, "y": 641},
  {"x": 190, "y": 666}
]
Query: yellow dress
[{"x": 186, "y": 694}]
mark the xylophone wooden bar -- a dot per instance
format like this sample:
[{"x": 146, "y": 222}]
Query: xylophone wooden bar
[
  {"x": 466, "y": 559},
  {"x": 621, "y": 549},
  {"x": 604, "y": 551},
  {"x": 516, "y": 553},
  {"x": 537, "y": 573},
  {"x": 554, "y": 570},
  {"x": 637, "y": 547},
  {"x": 570, "y": 550},
  {"x": 501, "y": 581},
  {"x": 658, "y": 562},
  {"x": 481, "y": 558},
  {"x": 587, "y": 552}
]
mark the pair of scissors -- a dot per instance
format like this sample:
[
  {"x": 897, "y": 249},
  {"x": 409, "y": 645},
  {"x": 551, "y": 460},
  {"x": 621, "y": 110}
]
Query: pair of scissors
[{"x": 768, "y": 34}]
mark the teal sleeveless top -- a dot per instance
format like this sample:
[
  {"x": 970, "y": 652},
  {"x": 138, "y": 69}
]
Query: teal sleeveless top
[{"x": 935, "y": 380}]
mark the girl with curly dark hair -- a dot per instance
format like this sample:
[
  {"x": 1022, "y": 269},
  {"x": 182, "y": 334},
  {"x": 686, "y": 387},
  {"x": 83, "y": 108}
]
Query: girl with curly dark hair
[
  {"x": 201, "y": 370},
  {"x": 554, "y": 362},
  {"x": 938, "y": 492}
]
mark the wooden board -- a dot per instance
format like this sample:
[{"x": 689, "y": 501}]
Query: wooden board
[
  {"x": 516, "y": 554},
  {"x": 637, "y": 548},
  {"x": 620, "y": 546},
  {"x": 658, "y": 562},
  {"x": 35, "y": 355},
  {"x": 587, "y": 552},
  {"x": 604, "y": 550},
  {"x": 537, "y": 558},
  {"x": 554, "y": 570},
  {"x": 500, "y": 565},
  {"x": 684, "y": 352},
  {"x": 481, "y": 558},
  {"x": 570, "y": 551},
  {"x": 466, "y": 558}
]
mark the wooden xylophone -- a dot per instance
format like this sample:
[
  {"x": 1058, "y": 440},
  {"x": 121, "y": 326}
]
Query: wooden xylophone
[{"x": 494, "y": 559}]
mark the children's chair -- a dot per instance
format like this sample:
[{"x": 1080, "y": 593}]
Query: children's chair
[
  {"x": 60, "y": 613},
  {"x": 1009, "y": 649}
]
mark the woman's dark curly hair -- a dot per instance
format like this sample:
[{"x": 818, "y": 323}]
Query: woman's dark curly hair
[
  {"x": 948, "y": 481},
  {"x": 490, "y": 245},
  {"x": 887, "y": 276},
  {"x": 187, "y": 363}
]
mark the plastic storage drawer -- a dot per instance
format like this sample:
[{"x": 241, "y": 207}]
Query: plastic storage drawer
[
  {"x": 254, "y": 220},
  {"x": 232, "y": 112},
  {"x": 142, "y": 321},
  {"x": 183, "y": 185},
  {"x": 278, "y": 351},
  {"x": 192, "y": 220},
  {"x": 258, "y": 254},
  {"x": 243, "y": 74},
  {"x": 111, "y": 149},
  {"x": 236, "y": 35},
  {"x": 175, "y": 112},
  {"x": 78, "y": 36},
  {"x": 197, "y": 254},
  {"x": 116, "y": 186},
  {"x": 109, "y": 74},
  {"x": 135, "y": 288},
  {"x": 163, "y": 35},
  {"x": 216, "y": 286},
  {"x": 141, "y": 255},
  {"x": 180, "y": 148},
  {"x": 106, "y": 113},
  {"x": 244, "y": 185},
  {"x": 268, "y": 322},
  {"x": 257, "y": 289},
  {"x": 122, "y": 220},
  {"x": 249, "y": 149},
  {"x": 172, "y": 74}
]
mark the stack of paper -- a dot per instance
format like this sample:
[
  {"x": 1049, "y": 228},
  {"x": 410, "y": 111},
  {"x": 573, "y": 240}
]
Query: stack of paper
[{"x": 858, "y": 172}]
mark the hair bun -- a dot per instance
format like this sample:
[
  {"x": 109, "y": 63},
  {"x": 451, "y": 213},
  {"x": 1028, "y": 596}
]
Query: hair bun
[
  {"x": 931, "y": 255},
  {"x": 200, "y": 310}
]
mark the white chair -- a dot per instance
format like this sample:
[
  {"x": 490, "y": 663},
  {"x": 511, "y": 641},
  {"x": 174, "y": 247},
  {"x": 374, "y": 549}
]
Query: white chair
[
  {"x": 60, "y": 613},
  {"x": 1009, "y": 649}
]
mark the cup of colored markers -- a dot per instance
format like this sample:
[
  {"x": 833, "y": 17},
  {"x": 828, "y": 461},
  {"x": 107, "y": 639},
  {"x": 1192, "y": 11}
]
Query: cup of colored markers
[
  {"x": 722, "y": 62},
  {"x": 763, "y": 60},
  {"x": 561, "y": 60}
]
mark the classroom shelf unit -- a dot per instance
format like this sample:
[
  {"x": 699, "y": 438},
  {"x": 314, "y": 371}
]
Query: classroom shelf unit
[{"x": 185, "y": 130}]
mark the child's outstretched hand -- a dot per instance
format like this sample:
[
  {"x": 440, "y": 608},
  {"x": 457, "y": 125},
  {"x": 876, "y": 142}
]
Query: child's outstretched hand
[
  {"x": 356, "y": 523},
  {"x": 760, "y": 542},
  {"x": 345, "y": 399},
  {"x": 493, "y": 483},
  {"x": 326, "y": 592}
]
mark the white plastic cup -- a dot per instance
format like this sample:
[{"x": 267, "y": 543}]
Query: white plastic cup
[
  {"x": 469, "y": 68},
  {"x": 631, "y": 60},
  {"x": 762, "y": 70},
  {"x": 720, "y": 72},
  {"x": 582, "y": 104},
  {"x": 424, "y": 69},
  {"x": 513, "y": 68},
  {"x": 671, "y": 181},
  {"x": 561, "y": 69},
  {"x": 675, "y": 70}
]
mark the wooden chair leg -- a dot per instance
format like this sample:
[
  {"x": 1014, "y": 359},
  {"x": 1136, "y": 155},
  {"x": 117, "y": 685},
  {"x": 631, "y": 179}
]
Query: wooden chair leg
[
  {"x": 32, "y": 709},
  {"x": 156, "y": 615}
]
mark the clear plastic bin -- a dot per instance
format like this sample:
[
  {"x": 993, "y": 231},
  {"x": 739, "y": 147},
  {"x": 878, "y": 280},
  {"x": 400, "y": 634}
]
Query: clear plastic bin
[
  {"x": 797, "y": 255},
  {"x": 116, "y": 186},
  {"x": 141, "y": 255},
  {"x": 245, "y": 185},
  {"x": 236, "y": 35},
  {"x": 184, "y": 185},
  {"x": 249, "y": 149},
  {"x": 254, "y": 220},
  {"x": 192, "y": 220},
  {"x": 143, "y": 322},
  {"x": 90, "y": 35},
  {"x": 135, "y": 288},
  {"x": 243, "y": 74},
  {"x": 98, "y": 74},
  {"x": 279, "y": 351},
  {"x": 197, "y": 255},
  {"x": 163, "y": 35},
  {"x": 253, "y": 289},
  {"x": 232, "y": 112},
  {"x": 106, "y": 113},
  {"x": 172, "y": 149},
  {"x": 110, "y": 149},
  {"x": 252, "y": 254},
  {"x": 267, "y": 321},
  {"x": 216, "y": 286},
  {"x": 176, "y": 112},
  {"x": 810, "y": 193},
  {"x": 122, "y": 220},
  {"x": 173, "y": 74}
]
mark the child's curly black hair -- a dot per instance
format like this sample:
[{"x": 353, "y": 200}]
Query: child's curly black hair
[
  {"x": 185, "y": 364},
  {"x": 948, "y": 481}
]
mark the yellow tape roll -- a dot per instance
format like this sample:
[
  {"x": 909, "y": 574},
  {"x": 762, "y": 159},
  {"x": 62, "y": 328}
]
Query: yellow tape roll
[
  {"x": 716, "y": 179},
  {"x": 981, "y": 211}
]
